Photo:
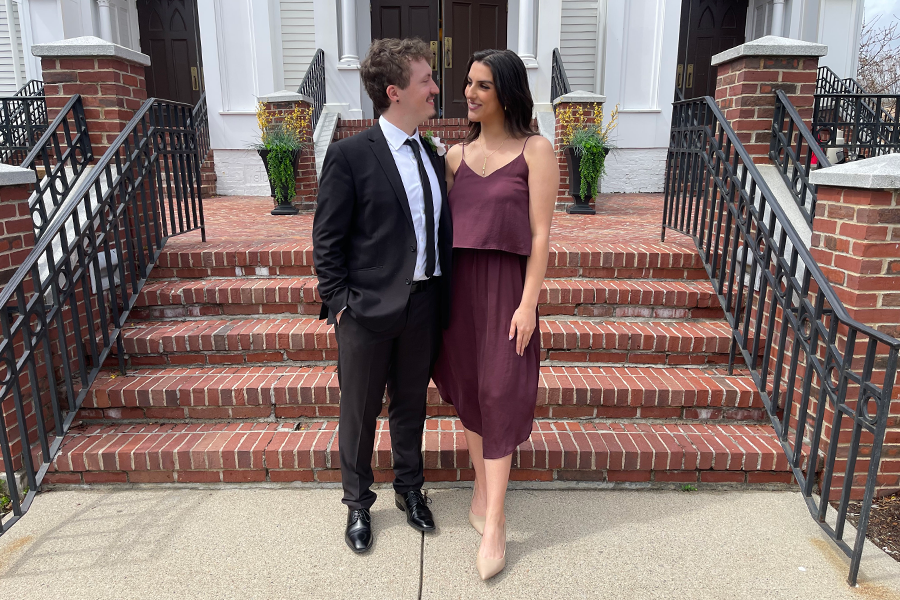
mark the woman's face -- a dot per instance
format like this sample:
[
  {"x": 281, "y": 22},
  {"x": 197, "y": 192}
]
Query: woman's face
[{"x": 481, "y": 94}]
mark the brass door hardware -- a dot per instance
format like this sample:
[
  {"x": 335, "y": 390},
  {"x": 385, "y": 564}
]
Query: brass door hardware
[
  {"x": 679, "y": 75},
  {"x": 434, "y": 56},
  {"x": 690, "y": 76},
  {"x": 195, "y": 79},
  {"x": 448, "y": 53}
]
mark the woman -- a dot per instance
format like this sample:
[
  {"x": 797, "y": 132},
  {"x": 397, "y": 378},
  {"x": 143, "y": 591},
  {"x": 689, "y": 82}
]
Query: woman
[{"x": 503, "y": 182}]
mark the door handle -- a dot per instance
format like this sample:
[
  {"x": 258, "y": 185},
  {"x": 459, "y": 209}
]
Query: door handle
[
  {"x": 434, "y": 56},
  {"x": 448, "y": 53},
  {"x": 195, "y": 79},
  {"x": 679, "y": 75},
  {"x": 689, "y": 83}
]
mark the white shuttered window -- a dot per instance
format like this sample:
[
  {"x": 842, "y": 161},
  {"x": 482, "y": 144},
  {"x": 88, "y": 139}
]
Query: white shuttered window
[
  {"x": 8, "y": 85},
  {"x": 298, "y": 40},
  {"x": 578, "y": 42}
]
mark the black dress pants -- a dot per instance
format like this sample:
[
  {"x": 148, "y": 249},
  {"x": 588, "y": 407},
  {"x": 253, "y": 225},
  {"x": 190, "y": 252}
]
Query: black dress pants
[{"x": 400, "y": 358}]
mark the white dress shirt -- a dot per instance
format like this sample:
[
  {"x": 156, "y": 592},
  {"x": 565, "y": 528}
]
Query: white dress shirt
[{"x": 409, "y": 173}]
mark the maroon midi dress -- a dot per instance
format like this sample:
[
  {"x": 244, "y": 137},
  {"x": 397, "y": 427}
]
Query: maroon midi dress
[{"x": 493, "y": 390}]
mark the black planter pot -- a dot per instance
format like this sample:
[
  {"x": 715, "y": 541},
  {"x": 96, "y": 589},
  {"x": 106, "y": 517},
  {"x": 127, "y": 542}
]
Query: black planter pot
[
  {"x": 582, "y": 204},
  {"x": 284, "y": 208}
]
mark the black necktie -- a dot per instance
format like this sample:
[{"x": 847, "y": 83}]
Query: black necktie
[{"x": 429, "y": 207}]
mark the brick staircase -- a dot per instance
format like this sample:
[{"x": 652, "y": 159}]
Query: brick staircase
[{"x": 232, "y": 379}]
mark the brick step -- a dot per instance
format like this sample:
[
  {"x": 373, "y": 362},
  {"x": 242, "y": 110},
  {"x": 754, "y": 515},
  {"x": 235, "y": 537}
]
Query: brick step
[
  {"x": 556, "y": 450},
  {"x": 299, "y": 295},
  {"x": 294, "y": 259},
  {"x": 221, "y": 341},
  {"x": 289, "y": 392}
]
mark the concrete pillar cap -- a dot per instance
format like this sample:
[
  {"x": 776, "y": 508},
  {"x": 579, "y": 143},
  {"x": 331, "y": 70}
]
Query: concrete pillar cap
[
  {"x": 89, "y": 47},
  {"x": 771, "y": 45},
  {"x": 10, "y": 175},
  {"x": 579, "y": 96},
  {"x": 285, "y": 96},
  {"x": 877, "y": 173}
]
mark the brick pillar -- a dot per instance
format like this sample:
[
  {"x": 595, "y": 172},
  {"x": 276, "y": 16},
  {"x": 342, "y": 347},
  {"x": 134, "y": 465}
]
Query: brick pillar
[
  {"x": 280, "y": 105},
  {"x": 856, "y": 241},
  {"x": 109, "y": 77},
  {"x": 16, "y": 226},
  {"x": 750, "y": 74},
  {"x": 579, "y": 103},
  {"x": 16, "y": 242}
]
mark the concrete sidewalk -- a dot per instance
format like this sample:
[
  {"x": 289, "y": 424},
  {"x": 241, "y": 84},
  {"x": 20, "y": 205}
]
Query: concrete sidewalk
[{"x": 287, "y": 543}]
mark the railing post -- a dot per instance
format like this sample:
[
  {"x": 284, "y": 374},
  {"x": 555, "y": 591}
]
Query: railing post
[
  {"x": 580, "y": 103},
  {"x": 856, "y": 241},
  {"x": 280, "y": 105},
  {"x": 16, "y": 242},
  {"x": 109, "y": 77},
  {"x": 747, "y": 79}
]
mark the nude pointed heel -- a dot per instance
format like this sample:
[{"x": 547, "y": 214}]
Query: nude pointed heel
[
  {"x": 489, "y": 567},
  {"x": 477, "y": 522}
]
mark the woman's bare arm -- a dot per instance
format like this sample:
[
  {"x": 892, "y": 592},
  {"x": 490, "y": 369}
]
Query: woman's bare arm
[{"x": 543, "y": 186}]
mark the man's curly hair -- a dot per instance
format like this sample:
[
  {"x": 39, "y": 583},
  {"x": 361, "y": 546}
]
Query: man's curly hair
[{"x": 387, "y": 63}]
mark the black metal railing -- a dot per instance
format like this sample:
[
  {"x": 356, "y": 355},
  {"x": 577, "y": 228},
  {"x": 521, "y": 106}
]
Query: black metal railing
[
  {"x": 828, "y": 82},
  {"x": 313, "y": 85},
  {"x": 34, "y": 87},
  {"x": 559, "y": 81},
  {"x": 806, "y": 355},
  {"x": 67, "y": 303},
  {"x": 200, "y": 121},
  {"x": 796, "y": 153},
  {"x": 864, "y": 125},
  {"x": 58, "y": 158},
  {"x": 23, "y": 119}
]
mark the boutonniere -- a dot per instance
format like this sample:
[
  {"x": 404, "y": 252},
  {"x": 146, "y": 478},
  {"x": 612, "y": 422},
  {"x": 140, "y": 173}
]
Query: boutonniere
[{"x": 434, "y": 143}]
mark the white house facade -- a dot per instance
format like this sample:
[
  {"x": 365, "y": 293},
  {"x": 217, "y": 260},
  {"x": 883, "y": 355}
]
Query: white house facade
[{"x": 636, "y": 53}]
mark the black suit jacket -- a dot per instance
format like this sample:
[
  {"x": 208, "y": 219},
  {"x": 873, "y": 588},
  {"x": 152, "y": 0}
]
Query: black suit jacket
[{"x": 364, "y": 243}]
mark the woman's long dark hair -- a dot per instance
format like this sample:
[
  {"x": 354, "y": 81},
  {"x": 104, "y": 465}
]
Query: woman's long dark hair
[{"x": 511, "y": 83}]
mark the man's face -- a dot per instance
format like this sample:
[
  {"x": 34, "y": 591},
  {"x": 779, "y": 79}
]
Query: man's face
[{"x": 418, "y": 97}]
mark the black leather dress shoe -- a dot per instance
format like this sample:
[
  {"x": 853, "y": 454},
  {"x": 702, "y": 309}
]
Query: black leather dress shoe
[
  {"x": 418, "y": 515},
  {"x": 359, "y": 530}
]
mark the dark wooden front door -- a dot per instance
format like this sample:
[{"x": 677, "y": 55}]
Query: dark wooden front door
[
  {"x": 469, "y": 26},
  {"x": 454, "y": 29},
  {"x": 171, "y": 38},
  {"x": 707, "y": 28},
  {"x": 409, "y": 19}
]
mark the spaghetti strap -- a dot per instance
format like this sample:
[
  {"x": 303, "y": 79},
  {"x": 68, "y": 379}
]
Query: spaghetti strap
[
  {"x": 525, "y": 144},
  {"x": 463, "y": 151}
]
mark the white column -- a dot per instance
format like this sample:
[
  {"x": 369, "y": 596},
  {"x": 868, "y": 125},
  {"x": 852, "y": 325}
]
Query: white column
[
  {"x": 14, "y": 42},
  {"x": 777, "y": 18},
  {"x": 349, "y": 52},
  {"x": 526, "y": 33},
  {"x": 105, "y": 21}
]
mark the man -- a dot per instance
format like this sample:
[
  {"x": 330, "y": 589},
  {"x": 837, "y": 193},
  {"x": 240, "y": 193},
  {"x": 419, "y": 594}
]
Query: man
[{"x": 382, "y": 242}]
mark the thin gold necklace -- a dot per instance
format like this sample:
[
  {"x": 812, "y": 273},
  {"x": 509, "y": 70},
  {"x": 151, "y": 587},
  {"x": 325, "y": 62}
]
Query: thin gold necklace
[{"x": 487, "y": 156}]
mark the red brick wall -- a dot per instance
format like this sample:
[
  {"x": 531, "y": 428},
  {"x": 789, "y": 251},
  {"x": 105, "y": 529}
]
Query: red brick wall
[
  {"x": 111, "y": 89},
  {"x": 16, "y": 229},
  {"x": 16, "y": 242},
  {"x": 745, "y": 91},
  {"x": 856, "y": 241},
  {"x": 451, "y": 131}
]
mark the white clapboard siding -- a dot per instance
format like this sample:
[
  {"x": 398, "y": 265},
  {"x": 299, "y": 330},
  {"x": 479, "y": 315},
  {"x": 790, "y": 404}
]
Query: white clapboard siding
[
  {"x": 578, "y": 42},
  {"x": 8, "y": 85},
  {"x": 298, "y": 40}
]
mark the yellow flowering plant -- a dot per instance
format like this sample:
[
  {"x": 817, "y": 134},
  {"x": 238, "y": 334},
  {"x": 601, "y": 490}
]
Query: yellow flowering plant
[
  {"x": 589, "y": 140},
  {"x": 279, "y": 143}
]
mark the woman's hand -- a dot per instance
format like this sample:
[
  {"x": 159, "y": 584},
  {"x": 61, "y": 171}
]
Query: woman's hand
[{"x": 521, "y": 327}]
